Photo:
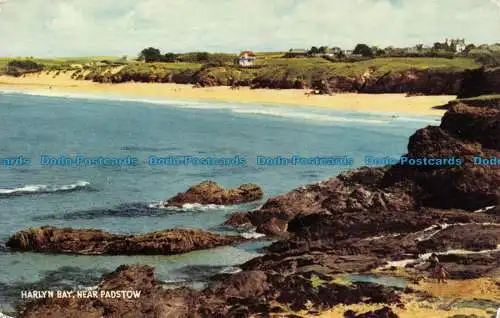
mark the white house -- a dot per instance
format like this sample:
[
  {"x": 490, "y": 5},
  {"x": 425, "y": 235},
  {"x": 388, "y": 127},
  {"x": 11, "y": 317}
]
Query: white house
[
  {"x": 246, "y": 58},
  {"x": 458, "y": 43}
]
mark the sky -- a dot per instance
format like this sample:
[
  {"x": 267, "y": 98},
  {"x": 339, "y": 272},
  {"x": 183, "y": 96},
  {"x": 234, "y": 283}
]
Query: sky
[{"x": 49, "y": 28}]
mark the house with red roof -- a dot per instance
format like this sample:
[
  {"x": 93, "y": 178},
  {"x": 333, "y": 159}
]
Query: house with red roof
[{"x": 246, "y": 58}]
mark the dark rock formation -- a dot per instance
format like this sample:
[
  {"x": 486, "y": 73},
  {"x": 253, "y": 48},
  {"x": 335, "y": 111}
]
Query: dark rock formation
[
  {"x": 353, "y": 223},
  {"x": 273, "y": 226},
  {"x": 238, "y": 295},
  {"x": 153, "y": 301},
  {"x": 413, "y": 81},
  {"x": 238, "y": 219},
  {"x": 385, "y": 312},
  {"x": 93, "y": 242},
  {"x": 465, "y": 132},
  {"x": 480, "y": 81},
  {"x": 473, "y": 237},
  {"x": 209, "y": 192}
]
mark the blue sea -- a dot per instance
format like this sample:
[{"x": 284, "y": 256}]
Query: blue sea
[{"x": 124, "y": 199}]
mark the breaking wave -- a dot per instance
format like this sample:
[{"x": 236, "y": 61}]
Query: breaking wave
[
  {"x": 43, "y": 189},
  {"x": 320, "y": 116}
]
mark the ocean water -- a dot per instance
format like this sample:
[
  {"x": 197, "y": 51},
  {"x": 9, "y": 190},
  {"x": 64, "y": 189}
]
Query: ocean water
[{"x": 123, "y": 199}]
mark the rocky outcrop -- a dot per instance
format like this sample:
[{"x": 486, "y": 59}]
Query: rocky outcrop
[
  {"x": 482, "y": 81},
  {"x": 322, "y": 78},
  {"x": 385, "y": 312},
  {"x": 473, "y": 237},
  {"x": 413, "y": 81},
  {"x": 466, "y": 132},
  {"x": 209, "y": 192},
  {"x": 95, "y": 242},
  {"x": 362, "y": 220},
  {"x": 233, "y": 296}
]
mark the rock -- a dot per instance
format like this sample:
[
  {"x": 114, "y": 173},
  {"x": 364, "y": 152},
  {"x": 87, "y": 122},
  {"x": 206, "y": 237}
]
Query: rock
[
  {"x": 94, "y": 242},
  {"x": 243, "y": 285},
  {"x": 472, "y": 266},
  {"x": 481, "y": 81},
  {"x": 478, "y": 124},
  {"x": 473, "y": 237},
  {"x": 152, "y": 302},
  {"x": 296, "y": 291},
  {"x": 385, "y": 312},
  {"x": 466, "y": 131},
  {"x": 238, "y": 220},
  {"x": 209, "y": 192},
  {"x": 354, "y": 223},
  {"x": 273, "y": 226}
]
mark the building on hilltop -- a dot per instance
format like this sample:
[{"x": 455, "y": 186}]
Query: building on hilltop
[
  {"x": 297, "y": 53},
  {"x": 458, "y": 44},
  {"x": 246, "y": 58}
]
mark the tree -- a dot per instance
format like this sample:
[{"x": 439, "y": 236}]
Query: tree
[
  {"x": 377, "y": 51},
  {"x": 363, "y": 50},
  {"x": 202, "y": 57},
  {"x": 419, "y": 47},
  {"x": 19, "y": 67},
  {"x": 340, "y": 54},
  {"x": 323, "y": 49},
  {"x": 313, "y": 50},
  {"x": 438, "y": 46},
  {"x": 170, "y": 57},
  {"x": 469, "y": 48},
  {"x": 150, "y": 54}
]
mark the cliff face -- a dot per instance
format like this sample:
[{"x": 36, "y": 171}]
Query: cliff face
[
  {"x": 480, "y": 82},
  {"x": 322, "y": 79},
  {"x": 427, "y": 82}
]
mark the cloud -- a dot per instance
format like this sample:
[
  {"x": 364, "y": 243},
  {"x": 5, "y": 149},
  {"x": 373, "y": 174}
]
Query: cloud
[{"x": 110, "y": 27}]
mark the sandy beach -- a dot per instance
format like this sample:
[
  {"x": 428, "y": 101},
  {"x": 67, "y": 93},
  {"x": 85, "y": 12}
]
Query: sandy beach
[{"x": 389, "y": 103}]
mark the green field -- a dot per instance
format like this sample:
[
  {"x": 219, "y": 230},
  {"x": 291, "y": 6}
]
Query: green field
[{"x": 271, "y": 69}]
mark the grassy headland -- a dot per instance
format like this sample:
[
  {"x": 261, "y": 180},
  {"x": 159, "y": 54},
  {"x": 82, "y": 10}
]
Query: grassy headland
[{"x": 217, "y": 77}]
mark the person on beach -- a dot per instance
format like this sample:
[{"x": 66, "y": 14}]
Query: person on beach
[
  {"x": 438, "y": 271},
  {"x": 441, "y": 273}
]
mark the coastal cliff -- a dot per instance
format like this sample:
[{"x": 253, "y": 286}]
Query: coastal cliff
[
  {"x": 418, "y": 76},
  {"x": 371, "y": 220},
  {"x": 411, "y": 80}
]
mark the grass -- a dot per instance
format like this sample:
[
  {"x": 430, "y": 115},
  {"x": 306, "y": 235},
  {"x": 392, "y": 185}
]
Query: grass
[
  {"x": 316, "y": 281},
  {"x": 273, "y": 70},
  {"x": 59, "y": 63},
  {"x": 482, "y": 97}
]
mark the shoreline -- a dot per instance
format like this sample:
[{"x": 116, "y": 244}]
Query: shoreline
[{"x": 396, "y": 104}]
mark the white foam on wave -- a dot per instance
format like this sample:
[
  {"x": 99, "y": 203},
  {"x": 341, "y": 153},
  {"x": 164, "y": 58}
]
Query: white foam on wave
[
  {"x": 432, "y": 230},
  {"x": 287, "y": 113},
  {"x": 88, "y": 288},
  {"x": 187, "y": 207},
  {"x": 47, "y": 93},
  {"x": 374, "y": 238},
  {"x": 424, "y": 257},
  {"x": 429, "y": 233},
  {"x": 485, "y": 209},
  {"x": 459, "y": 252},
  {"x": 251, "y": 109},
  {"x": 251, "y": 235},
  {"x": 175, "y": 281},
  {"x": 417, "y": 119},
  {"x": 41, "y": 188},
  {"x": 230, "y": 270}
]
